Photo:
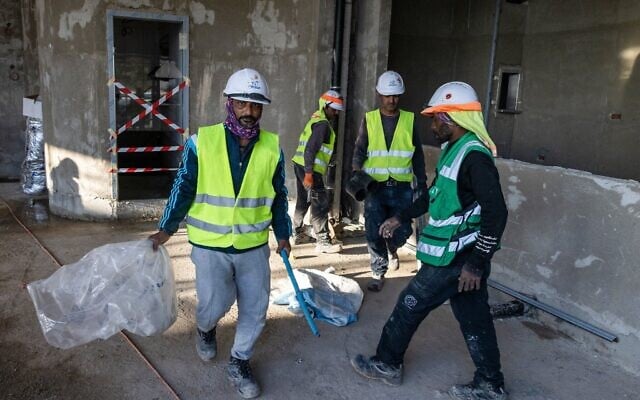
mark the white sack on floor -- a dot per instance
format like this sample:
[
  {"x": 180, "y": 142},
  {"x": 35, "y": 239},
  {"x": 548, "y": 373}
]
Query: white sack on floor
[{"x": 332, "y": 298}]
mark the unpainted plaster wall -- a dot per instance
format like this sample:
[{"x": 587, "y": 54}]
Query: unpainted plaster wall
[
  {"x": 581, "y": 63},
  {"x": 368, "y": 56},
  {"x": 453, "y": 42},
  {"x": 12, "y": 77},
  {"x": 289, "y": 42}
]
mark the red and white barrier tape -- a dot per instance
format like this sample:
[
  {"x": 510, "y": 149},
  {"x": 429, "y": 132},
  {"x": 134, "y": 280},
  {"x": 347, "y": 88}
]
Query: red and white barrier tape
[
  {"x": 140, "y": 170},
  {"x": 149, "y": 108},
  {"x": 146, "y": 149}
]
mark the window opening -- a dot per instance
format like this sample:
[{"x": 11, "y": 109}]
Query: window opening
[{"x": 509, "y": 90}]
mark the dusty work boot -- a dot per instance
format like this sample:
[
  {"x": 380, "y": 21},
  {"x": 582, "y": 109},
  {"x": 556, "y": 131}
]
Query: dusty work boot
[
  {"x": 301, "y": 237},
  {"x": 373, "y": 368},
  {"x": 376, "y": 283},
  {"x": 328, "y": 247},
  {"x": 482, "y": 391},
  {"x": 394, "y": 261},
  {"x": 240, "y": 375},
  {"x": 206, "y": 345}
]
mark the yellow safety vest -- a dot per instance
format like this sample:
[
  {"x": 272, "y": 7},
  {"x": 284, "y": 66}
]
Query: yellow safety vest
[
  {"x": 217, "y": 218},
  {"x": 326, "y": 150},
  {"x": 395, "y": 162}
]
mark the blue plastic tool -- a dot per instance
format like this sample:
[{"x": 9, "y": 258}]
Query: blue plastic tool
[{"x": 299, "y": 296}]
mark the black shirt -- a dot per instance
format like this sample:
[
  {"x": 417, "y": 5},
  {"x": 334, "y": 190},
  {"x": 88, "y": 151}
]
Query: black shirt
[{"x": 478, "y": 180}]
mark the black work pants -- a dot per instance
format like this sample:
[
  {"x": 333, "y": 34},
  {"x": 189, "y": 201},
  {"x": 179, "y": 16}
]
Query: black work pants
[
  {"x": 431, "y": 287},
  {"x": 319, "y": 204}
]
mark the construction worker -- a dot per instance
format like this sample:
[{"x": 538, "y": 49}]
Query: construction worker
[
  {"x": 231, "y": 187},
  {"x": 388, "y": 148},
  {"x": 467, "y": 216},
  {"x": 310, "y": 162}
]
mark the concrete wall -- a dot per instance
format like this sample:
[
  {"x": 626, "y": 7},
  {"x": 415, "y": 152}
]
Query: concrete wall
[
  {"x": 579, "y": 64},
  {"x": 580, "y": 68},
  {"x": 288, "y": 41},
  {"x": 12, "y": 80},
  {"x": 368, "y": 56}
]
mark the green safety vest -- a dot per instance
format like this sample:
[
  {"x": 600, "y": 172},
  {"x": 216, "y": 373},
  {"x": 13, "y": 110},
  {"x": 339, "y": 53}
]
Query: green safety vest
[
  {"x": 395, "y": 162},
  {"x": 219, "y": 218},
  {"x": 324, "y": 154},
  {"x": 450, "y": 229}
]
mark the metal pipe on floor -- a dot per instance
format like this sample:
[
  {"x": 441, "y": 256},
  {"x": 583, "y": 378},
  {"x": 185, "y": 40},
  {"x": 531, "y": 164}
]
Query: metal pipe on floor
[
  {"x": 608, "y": 336},
  {"x": 554, "y": 311}
]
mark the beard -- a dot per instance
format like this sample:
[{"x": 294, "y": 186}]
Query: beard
[
  {"x": 443, "y": 134},
  {"x": 247, "y": 122}
]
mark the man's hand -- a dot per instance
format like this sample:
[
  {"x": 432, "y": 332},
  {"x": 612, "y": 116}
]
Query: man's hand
[
  {"x": 469, "y": 278},
  {"x": 284, "y": 244},
  {"x": 388, "y": 227},
  {"x": 158, "y": 238},
  {"x": 308, "y": 180}
]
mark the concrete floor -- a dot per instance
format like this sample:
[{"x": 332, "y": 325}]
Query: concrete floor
[{"x": 290, "y": 363}]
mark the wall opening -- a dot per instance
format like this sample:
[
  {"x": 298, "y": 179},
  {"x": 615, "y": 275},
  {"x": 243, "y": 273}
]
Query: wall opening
[
  {"x": 509, "y": 90},
  {"x": 148, "y": 62}
]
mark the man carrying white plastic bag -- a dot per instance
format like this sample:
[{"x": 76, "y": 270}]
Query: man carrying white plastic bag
[{"x": 113, "y": 287}]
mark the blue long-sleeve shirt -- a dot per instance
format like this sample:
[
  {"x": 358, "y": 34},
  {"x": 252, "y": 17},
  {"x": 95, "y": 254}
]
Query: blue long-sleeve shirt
[{"x": 184, "y": 187}]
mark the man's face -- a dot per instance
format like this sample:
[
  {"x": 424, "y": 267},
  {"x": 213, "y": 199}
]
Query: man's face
[
  {"x": 389, "y": 104},
  {"x": 441, "y": 130},
  {"x": 248, "y": 113},
  {"x": 331, "y": 113}
]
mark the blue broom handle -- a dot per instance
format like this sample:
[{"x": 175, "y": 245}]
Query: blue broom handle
[{"x": 296, "y": 288}]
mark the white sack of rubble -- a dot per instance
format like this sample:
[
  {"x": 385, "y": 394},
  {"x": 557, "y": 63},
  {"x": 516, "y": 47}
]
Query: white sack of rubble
[
  {"x": 113, "y": 287},
  {"x": 331, "y": 298}
]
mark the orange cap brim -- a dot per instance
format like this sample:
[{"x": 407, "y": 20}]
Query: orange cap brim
[
  {"x": 331, "y": 99},
  {"x": 443, "y": 108}
]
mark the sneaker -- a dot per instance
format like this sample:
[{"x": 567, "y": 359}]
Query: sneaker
[
  {"x": 328, "y": 247},
  {"x": 375, "y": 369},
  {"x": 206, "y": 346},
  {"x": 394, "y": 262},
  {"x": 240, "y": 375},
  {"x": 482, "y": 391},
  {"x": 376, "y": 283}
]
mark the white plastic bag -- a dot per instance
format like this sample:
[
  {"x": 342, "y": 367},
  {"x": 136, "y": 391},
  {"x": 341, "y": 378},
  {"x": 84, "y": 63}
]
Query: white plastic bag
[
  {"x": 331, "y": 298},
  {"x": 113, "y": 287}
]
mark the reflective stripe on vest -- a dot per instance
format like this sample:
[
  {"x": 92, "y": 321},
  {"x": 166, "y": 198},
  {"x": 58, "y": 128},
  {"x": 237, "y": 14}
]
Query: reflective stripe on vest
[
  {"x": 394, "y": 162},
  {"x": 219, "y": 218},
  {"x": 323, "y": 156},
  {"x": 451, "y": 229},
  {"x": 224, "y": 229}
]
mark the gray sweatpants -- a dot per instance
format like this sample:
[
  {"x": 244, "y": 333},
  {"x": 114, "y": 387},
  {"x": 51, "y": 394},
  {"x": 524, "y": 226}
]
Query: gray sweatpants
[{"x": 223, "y": 278}]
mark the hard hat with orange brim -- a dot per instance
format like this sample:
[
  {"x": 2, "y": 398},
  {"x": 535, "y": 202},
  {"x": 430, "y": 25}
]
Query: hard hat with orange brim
[
  {"x": 332, "y": 99},
  {"x": 453, "y": 96},
  {"x": 460, "y": 102}
]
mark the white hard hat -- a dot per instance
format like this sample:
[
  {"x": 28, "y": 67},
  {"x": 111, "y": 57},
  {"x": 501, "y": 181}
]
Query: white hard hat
[
  {"x": 390, "y": 83},
  {"x": 332, "y": 99},
  {"x": 452, "y": 94},
  {"x": 248, "y": 85}
]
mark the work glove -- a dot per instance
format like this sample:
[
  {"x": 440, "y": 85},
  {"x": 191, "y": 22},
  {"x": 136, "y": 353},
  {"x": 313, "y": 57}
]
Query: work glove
[{"x": 308, "y": 180}]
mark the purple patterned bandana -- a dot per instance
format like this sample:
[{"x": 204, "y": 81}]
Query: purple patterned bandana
[
  {"x": 236, "y": 128},
  {"x": 444, "y": 117}
]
